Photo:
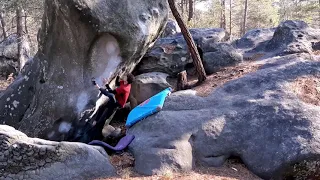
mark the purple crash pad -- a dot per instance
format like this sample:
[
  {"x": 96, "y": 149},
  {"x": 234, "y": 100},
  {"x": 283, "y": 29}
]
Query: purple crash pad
[{"x": 122, "y": 144}]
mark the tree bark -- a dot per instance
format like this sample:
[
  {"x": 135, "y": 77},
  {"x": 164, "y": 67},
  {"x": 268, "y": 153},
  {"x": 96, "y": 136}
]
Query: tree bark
[
  {"x": 19, "y": 14},
  {"x": 190, "y": 10},
  {"x": 223, "y": 15},
  {"x": 25, "y": 23},
  {"x": 182, "y": 81},
  {"x": 245, "y": 18},
  {"x": 230, "y": 19},
  {"x": 3, "y": 25},
  {"x": 182, "y": 6},
  {"x": 191, "y": 45}
]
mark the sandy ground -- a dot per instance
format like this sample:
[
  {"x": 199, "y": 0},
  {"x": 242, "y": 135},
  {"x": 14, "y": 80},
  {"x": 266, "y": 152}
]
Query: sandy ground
[
  {"x": 3, "y": 85},
  {"x": 233, "y": 169},
  {"x": 224, "y": 75}
]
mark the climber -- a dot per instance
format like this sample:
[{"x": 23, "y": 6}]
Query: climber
[{"x": 117, "y": 97}]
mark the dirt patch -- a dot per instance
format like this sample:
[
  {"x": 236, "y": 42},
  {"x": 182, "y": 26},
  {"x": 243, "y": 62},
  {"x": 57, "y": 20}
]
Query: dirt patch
[
  {"x": 316, "y": 52},
  {"x": 231, "y": 170},
  {"x": 3, "y": 85},
  {"x": 308, "y": 89},
  {"x": 122, "y": 161},
  {"x": 224, "y": 75},
  {"x": 253, "y": 57}
]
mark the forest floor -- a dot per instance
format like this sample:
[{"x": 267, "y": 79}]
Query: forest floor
[
  {"x": 233, "y": 169},
  {"x": 3, "y": 85}
]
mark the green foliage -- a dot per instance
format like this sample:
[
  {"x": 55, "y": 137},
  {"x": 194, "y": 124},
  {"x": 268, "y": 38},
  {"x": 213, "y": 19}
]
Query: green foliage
[{"x": 306, "y": 10}]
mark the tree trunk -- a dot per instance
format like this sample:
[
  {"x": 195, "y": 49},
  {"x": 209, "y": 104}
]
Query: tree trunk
[
  {"x": 190, "y": 10},
  {"x": 182, "y": 81},
  {"x": 25, "y": 23},
  {"x": 20, "y": 37},
  {"x": 245, "y": 18},
  {"x": 230, "y": 19},
  {"x": 3, "y": 25},
  {"x": 27, "y": 32},
  {"x": 191, "y": 45},
  {"x": 223, "y": 15},
  {"x": 182, "y": 6}
]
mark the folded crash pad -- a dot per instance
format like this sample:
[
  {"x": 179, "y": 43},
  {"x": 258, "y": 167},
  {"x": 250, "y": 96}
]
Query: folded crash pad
[
  {"x": 122, "y": 144},
  {"x": 148, "y": 107}
]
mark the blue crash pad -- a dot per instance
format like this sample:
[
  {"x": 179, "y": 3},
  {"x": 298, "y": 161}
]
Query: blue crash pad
[{"x": 148, "y": 107}]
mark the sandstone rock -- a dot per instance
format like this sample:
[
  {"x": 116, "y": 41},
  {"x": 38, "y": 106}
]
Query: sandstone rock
[
  {"x": 32, "y": 158},
  {"x": 9, "y": 55},
  {"x": 9, "y": 47},
  {"x": 108, "y": 130},
  {"x": 254, "y": 38},
  {"x": 171, "y": 28},
  {"x": 220, "y": 55},
  {"x": 171, "y": 55},
  {"x": 147, "y": 85},
  {"x": 316, "y": 46},
  {"x": 7, "y": 66},
  {"x": 79, "y": 40},
  {"x": 293, "y": 37},
  {"x": 257, "y": 117}
]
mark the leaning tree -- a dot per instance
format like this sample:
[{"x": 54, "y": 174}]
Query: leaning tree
[{"x": 191, "y": 45}]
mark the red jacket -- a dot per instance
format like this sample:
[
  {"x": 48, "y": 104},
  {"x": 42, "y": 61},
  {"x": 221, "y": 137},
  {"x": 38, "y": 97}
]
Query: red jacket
[{"x": 123, "y": 92}]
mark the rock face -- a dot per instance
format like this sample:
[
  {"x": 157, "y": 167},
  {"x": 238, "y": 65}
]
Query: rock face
[
  {"x": 171, "y": 55},
  {"x": 75, "y": 45},
  {"x": 316, "y": 46},
  {"x": 31, "y": 158},
  {"x": 171, "y": 28},
  {"x": 254, "y": 38},
  {"x": 293, "y": 37},
  {"x": 9, "y": 55},
  {"x": 220, "y": 55},
  {"x": 257, "y": 117},
  {"x": 7, "y": 66},
  {"x": 147, "y": 85}
]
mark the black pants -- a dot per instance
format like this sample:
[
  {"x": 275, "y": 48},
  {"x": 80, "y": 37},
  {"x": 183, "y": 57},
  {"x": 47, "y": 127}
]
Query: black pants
[{"x": 112, "y": 105}]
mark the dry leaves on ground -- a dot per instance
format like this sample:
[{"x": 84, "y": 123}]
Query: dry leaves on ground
[{"x": 223, "y": 76}]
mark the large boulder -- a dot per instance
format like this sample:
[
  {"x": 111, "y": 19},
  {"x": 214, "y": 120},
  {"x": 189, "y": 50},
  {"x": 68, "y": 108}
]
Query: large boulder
[
  {"x": 9, "y": 54},
  {"x": 316, "y": 46},
  {"x": 22, "y": 157},
  {"x": 79, "y": 39},
  {"x": 220, "y": 55},
  {"x": 7, "y": 66},
  {"x": 171, "y": 55},
  {"x": 171, "y": 28},
  {"x": 293, "y": 37},
  {"x": 254, "y": 38},
  {"x": 148, "y": 85},
  {"x": 258, "y": 117}
]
